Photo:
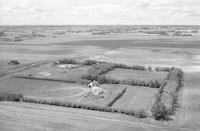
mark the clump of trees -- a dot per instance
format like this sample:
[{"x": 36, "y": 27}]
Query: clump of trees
[
  {"x": 10, "y": 97},
  {"x": 89, "y": 62},
  {"x": 13, "y": 62},
  {"x": 159, "y": 110},
  {"x": 67, "y": 61},
  {"x": 167, "y": 96}
]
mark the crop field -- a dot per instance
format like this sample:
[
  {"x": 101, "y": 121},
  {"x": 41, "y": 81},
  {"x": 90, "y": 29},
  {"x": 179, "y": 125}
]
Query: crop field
[
  {"x": 121, "y": 74},
  {"x": 136, "y": 98},
  {"x": 43, "y": 89},
  {"x": 47, "y": 90},
  {"x": 37, "y": 117},
  {"x": 74, "y": 107},
  {"x": 57, "y": 72},
  {"x": 190, "y": 113}
]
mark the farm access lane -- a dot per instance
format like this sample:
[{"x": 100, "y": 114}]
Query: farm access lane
[{"x": 28, "y": 116}]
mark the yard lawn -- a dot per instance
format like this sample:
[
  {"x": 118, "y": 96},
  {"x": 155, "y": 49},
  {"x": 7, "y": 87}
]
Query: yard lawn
[
  {"x": 58, "y": 72},
  {"x": 43, "y": 89},
  {"x": 109, "y": 92},
  {"x": 121, "y": 74},
  {"x": 136, "y": 98}
]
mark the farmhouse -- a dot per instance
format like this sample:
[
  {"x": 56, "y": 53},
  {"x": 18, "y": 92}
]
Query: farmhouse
[{"x": 95, "y": 90}]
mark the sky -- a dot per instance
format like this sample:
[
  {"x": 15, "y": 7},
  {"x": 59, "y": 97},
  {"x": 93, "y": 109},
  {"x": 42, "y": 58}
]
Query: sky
[{"x": 99, "y": 12}]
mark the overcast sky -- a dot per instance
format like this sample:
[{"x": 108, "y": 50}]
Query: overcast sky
[{"x": 20, "y": 12}]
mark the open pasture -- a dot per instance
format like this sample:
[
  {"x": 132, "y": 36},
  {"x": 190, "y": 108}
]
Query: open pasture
[
  {"x": 43, "y": 89},
  {"x": 124, "y": 74},
  {"x": 57, "y": 71},
  {"x": 48, "y": 90},
  {"x": 136, "y": 98}
]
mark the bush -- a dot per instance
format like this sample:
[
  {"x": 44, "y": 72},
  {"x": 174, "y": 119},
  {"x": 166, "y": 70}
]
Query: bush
[
  {"x": 159, "y": 111},
  {"x": 141, "y": 113},
  {"x": 163, "y": 69},
  {"x": 13, "y": 62},
  {"x": 68, "y": 61},
  {"x": 89, "y": 62},
  {"x": 10, "y": 97}
]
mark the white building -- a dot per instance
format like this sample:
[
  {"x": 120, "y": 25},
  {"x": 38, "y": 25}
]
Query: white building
[{"x": 95, "y": 90}]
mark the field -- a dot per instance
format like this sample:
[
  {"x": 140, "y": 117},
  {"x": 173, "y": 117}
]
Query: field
[
  {"x": 57, "y": 72},
  {"x": 190, "y": 113},
  {"x": 125, "y": 48},
  {"x": 136, "y": 98},
  {"x": 43, "y": 89},
  {"x": 46, "y": 90},
  {"x": 34, "y": 117},
  {"x": 136, "y": 74}
]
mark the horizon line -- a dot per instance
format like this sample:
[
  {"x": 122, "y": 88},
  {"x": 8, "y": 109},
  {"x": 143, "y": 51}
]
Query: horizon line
[{"x": 100, "y": 25}]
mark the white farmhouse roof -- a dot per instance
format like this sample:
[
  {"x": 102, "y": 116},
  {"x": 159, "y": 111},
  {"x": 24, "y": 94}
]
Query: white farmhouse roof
[{"x": 96, "y": 90}]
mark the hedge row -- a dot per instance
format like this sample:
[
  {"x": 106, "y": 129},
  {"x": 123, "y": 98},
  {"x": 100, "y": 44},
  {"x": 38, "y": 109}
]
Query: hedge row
[
  {"x": 86, "y": 79},
  {"x": 134, "y": 67},
  {"x": 116, "y": 96},
  {"x": 163, "y": 69},
  {"x": 48, "y": 79},
  {"x": 103, "y": 67},
  {"x": 10, "y": 97},
  {"x": 139, "y": 113},
  {"x": 102, "y": 79},
  {"x": 167, "y": 96},
  {"x": 151, "y": 83},
  {"x": 89, "y": 62},
  {"x": 67, "y": 61}
]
